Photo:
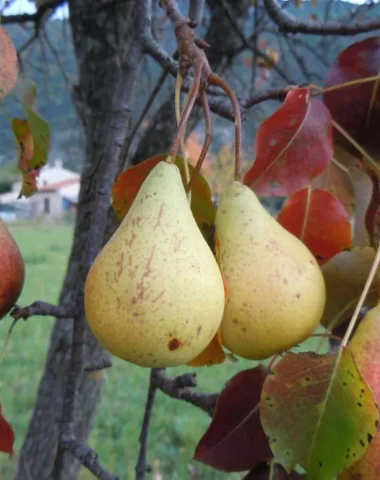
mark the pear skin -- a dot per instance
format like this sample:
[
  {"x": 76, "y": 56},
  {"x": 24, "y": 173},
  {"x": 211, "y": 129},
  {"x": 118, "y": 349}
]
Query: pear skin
[
  {"x": 276, "y": 291},
  {"x": 154, "y": 295},
  {"x": 12, "y": 271}
]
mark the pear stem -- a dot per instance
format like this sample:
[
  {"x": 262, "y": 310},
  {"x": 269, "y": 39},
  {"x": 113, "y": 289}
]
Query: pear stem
[
  {"x": 186, "y": 113},
  {"x": 214, "y": 79},
  {"x": 206, "y": 143}
]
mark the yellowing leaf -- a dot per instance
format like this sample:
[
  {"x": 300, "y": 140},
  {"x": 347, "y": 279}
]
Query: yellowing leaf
[
  {"x": 345, "y": 276},
  {"x": 318, "y": 412},
  {"x": 212, "y": 354},
  {"x": 365, "y": 346}
]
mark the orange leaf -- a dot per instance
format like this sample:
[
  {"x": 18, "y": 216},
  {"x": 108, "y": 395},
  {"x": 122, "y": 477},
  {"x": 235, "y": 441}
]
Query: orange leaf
[
  {"x": 8, "y": 64},
  {"x": 294, "y": 146},
  {"x": 129, "y": 182},
  {"x": 212, "y": 354},
  {"x": 319, "y": 220},
  {"x": 7, "y": 436}
]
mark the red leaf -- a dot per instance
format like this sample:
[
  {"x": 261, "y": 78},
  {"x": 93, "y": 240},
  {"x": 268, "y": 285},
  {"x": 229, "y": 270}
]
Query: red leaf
[
  {"x": 235, "y": 440},
  {"x": 357, "y": 108},
  {"x": 319, "y": 220},
  {"x": 262, "y": 472},
  {"x": 294, "y": 146},
  {"x": 7, "y": 436}
]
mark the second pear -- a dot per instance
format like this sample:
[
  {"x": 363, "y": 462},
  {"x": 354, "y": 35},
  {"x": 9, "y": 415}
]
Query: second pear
[{"x": 276, "y": 291}]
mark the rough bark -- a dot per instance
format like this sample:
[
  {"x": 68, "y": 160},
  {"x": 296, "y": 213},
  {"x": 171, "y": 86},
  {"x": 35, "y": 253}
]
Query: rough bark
[{"x": 100, "y": 38}]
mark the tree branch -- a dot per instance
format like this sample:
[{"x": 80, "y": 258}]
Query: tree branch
[
  {"x": 41, "y": 308},
  {"x": 88, "y": 459},
  {"x": 289, "y": 23},
  {"x": 182, "y": 388},
  {"x": 142, "y": 467}
]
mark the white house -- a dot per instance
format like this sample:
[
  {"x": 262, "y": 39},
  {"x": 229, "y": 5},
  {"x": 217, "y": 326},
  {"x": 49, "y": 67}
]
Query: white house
[{"x": 58, "y": 191}]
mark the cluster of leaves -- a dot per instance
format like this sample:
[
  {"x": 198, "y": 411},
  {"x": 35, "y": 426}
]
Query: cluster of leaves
[{"x": 309, "y": 414}]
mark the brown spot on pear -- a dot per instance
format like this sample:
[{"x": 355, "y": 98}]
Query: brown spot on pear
[
  {"x": 12, "y": 271},
  {"x": 166, "y": 286},
  {"x": 285, "y": 292}
]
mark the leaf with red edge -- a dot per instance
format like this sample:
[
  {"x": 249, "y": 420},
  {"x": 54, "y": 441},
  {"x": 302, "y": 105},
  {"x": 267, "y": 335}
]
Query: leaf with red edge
[
  {"x": 357, "y": 108},
  {"x": 8, "y": 63},
  {"x": 7, "y": 436},
  {"x": 264, "y": 471},
  {"x": 294, "y": 146},
  {"x": 213, "y": 354},
  {"x": 235, "y": 440},
  {"x": 318, "y": 219},
  {"x": 128, "y": 183},
  {"x": 365, "y": 345},
  {"x": 318, "y": 412}
]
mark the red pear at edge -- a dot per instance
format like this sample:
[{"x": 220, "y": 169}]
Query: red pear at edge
[{"x": 12, "y": 271}]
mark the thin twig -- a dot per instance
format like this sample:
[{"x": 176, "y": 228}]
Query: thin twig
[
  {"x": 43, "y": 309},
  {"x": 182, "y": 388},
  {"x": 141, "y": 466},
  {"x": 289, "y": 23}
]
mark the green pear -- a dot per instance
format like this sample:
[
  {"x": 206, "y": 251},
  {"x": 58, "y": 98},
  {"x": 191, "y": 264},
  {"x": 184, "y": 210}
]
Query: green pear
[
  {"x": 154, "y": 295},
  {"x": 276, "y": 291},
  {"x": 12, "y": 271}
]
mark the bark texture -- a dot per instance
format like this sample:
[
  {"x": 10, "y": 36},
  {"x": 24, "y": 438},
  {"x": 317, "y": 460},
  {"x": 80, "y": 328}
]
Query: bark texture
[{"x": 101, "y": 39}]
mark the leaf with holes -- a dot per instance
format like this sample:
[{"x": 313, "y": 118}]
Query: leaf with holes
[
  {"x": 8, "y": 64},
  {"x": 357, "y": 108},
  {"x": 7, "y": 436},
  {"x": 235, "y": 440},
  {"x": 129, "y": 182},
  {"x": 365, "y": 346},
  {"x": 213, "y": 354},
  {"x": 294, "y": 146},
  {"x": 318, "y": 412},
  {"x": 345, "y": 276},
  {"x": 318, "y": 219}
]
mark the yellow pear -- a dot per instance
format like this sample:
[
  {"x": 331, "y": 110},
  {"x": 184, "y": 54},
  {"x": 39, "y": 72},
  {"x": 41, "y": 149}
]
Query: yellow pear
[
  {"x": 276, "y": 291},
  {"x": 154, "y": 295}
]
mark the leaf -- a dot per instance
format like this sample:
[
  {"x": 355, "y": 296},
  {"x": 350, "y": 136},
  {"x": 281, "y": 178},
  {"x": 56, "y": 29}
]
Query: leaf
[
  {"x": 25, "y": 148},
  {"x": 129, "y": 182},
  {"x": 8, "y": 64},
  {"x": 266, "y": 472},
  {"x": 363, "y": 192},
  {"x": 319, "y": 220},
  {"x": 357, "y": 108},
  {"x": 294, "y": 146},
  {"x": 33, "y": 140},
  {"x": 213, "y": 354},
  {"x": 318, "y": 412},
  {"x": 365, "y": 346},
  {"x": 7, "y": 436},
  {"x": 345, "y": 276},
  {"x": 372, "y": 217},
  {"x": 235, "y": 440}
]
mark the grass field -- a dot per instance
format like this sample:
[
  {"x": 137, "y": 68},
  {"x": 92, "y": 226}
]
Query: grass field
[{"x": 176, "y": 427}]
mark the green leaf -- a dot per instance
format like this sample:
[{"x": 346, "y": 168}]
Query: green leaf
[
  {"x": 318, "y": 412},
  {"x": 41, "y": 137}
]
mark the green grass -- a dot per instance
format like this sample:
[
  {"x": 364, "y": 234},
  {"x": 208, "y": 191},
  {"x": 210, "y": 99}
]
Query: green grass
[{"x": 175, "y": 428}]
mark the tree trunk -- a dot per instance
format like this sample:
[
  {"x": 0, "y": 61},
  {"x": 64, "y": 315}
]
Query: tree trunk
[{"x": 100, "y": 39}]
